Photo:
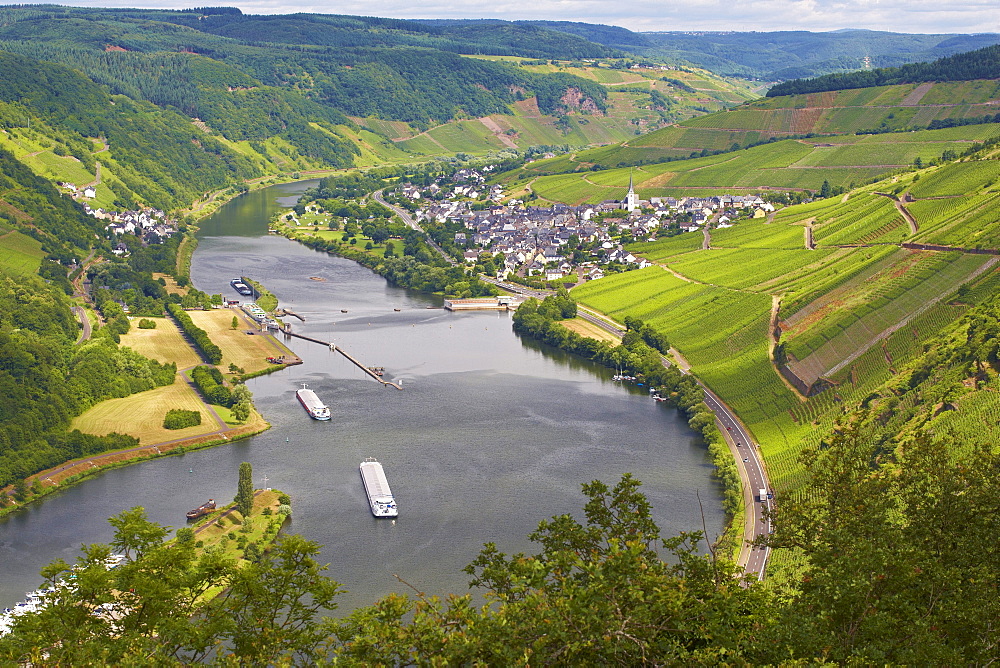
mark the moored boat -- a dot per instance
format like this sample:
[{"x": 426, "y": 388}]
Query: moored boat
[
  {"x": 317, "y": 409},
  {"x": 241, "y": 287},
  {"x": 377, "y": 487},
  {"x": 200, "y": 511}
]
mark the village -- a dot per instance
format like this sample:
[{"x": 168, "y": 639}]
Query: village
[{"x": 560, "y": 241}]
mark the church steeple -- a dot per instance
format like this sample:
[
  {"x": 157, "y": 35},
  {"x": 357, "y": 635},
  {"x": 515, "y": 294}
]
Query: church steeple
[{"x": 631, "y": 201}]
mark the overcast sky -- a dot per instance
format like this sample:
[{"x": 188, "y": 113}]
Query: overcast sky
[{"x": 915, "y": 16}]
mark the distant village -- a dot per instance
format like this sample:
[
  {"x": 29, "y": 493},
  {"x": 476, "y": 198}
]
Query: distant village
[
  {"x": 546, "y": 241},
  {"x": 152, "y": 226}
]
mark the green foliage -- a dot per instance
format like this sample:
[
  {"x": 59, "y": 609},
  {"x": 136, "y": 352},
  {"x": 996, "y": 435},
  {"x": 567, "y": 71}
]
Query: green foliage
[
  {"x": 146, "y": 323},
  {"x": 46, "y": 380},
  {"x": 209, "y": 382},
  {"x": 979, "y": 64},
  {"x": 178, "y": 418},
  {"x": 244, "y": 490}
]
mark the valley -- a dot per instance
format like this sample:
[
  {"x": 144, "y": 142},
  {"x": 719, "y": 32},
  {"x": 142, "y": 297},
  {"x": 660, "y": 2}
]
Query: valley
[{"x": 823, "y": 258}]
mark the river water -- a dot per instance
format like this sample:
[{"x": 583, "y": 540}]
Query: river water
[{"x": 490, "y": 435}]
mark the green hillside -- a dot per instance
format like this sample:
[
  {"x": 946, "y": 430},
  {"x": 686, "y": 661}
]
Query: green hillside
[
  {"x": 876, "y": 110},
  {"x": 851, "y": 313},
  {"x": 844, "y": 161},
  {"x": 780, "y": 55}
]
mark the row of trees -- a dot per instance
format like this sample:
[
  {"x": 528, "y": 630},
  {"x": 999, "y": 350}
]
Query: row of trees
[{"x": 199, "y": 337}]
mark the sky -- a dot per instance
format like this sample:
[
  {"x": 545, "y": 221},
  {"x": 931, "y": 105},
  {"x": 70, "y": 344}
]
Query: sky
[{"x": 912, "y": 16}]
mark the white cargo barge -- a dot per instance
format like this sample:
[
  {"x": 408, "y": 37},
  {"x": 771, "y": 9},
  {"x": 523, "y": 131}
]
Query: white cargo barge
[
  {"x": 377, "y": 487},
  {"x": 317, "y": 409}
]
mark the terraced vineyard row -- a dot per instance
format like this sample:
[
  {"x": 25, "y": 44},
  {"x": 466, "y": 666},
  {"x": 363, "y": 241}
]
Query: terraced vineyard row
[
  {"x": 826, "y": 344},
  {"x": 963, "y": 222},
  {"x": 662, "y": 249},
  {"x": 744, "y": 268},
  {"x": 957, "y": 178},
  {"x": 758, "y": 234},
  {"x": 815, "y": 287},
  {"x": 857, "y": 219}
]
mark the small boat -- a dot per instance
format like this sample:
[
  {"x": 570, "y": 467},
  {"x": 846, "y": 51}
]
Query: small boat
[
  {"x": 397, "y": 309},
  {"x": 317, "y": 409},
  {"x": 343, "y": 310},
  {"x": 377, "y": 487},
  {"x": 202, "y": 510}
]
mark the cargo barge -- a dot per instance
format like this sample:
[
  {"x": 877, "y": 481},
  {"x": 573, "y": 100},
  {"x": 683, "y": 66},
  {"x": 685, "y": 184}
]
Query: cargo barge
[
  {"x": 317, "y": 409},
  {"x": 241, "y": 287},
  {"x": 377, "y": 487},
  {"x": 201, "y": 510}
]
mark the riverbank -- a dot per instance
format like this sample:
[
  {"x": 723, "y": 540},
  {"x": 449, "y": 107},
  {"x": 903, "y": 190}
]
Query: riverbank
[{"x": 69, "y": 473}]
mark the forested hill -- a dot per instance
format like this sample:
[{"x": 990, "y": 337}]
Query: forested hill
[
  {"x": 980, "y": 64},
  {"x": 215, "y": 64},
  {"x": 779, "y": 55}
]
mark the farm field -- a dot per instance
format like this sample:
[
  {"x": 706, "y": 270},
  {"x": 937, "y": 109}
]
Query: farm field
[
  {"x": 743, "y": 268},
  {"x": 164, "y": 344},
  {"x": 965, "y": 222},
  {"x": 248, "y": 352},
  {"x": 788, "y": 164},
  {"x": 722, "y": 333},
  {"x": 141, "y": 415}
]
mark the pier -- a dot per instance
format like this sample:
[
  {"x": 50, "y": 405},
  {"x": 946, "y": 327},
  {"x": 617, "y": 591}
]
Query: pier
[{"x": 288, "y": 332}]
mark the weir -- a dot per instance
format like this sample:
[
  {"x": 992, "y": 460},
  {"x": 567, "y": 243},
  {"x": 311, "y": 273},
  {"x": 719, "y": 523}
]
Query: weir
[{"x": 332, "y": 346}]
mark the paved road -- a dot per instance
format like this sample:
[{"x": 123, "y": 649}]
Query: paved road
[
  {"x": 84, "y": 321},
  {"x": 749, "y": 461},
  {"x": 412, "y": 224}
]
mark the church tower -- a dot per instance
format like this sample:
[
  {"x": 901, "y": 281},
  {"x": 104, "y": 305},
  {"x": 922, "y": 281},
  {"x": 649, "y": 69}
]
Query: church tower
[{"x": 631, "y": 201}]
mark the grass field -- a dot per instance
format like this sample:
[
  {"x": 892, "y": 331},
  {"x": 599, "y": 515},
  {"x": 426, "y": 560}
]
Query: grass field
[
  {"x": 141, "y": 415},
  {"x": 239, "y": 348},
  {"x": 590, "y": 330},
  {"x": 164, "y": 344}
]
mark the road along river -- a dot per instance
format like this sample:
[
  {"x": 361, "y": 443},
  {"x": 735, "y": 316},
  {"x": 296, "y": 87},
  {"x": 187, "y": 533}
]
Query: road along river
[{"x": 490, "y": 434}]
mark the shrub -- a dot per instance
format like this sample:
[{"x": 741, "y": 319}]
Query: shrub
[
  {"x": 178, "y": 418},
  {"x": 146, "y": 323}
]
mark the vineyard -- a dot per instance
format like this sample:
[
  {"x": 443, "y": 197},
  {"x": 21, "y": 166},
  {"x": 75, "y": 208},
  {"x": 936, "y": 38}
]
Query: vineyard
[
  {"x": 864, "y": 218},
  {"x": 963, "y": 222},
  {"x": 835, "y": 334},
  {"x": 744, "y": 268},
  {"x": 957, "y": 178},
  {"x": 758, "y": 234},
  {"x": 661, "y": 249}
]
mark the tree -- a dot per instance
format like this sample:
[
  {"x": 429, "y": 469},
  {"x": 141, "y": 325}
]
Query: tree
[
  {"x": 275, "y": 605},
  {"x": 824, "y": 191},
  {"x": 244, "y": 491},
  {"x": 236, "y": 322},
  {"x": 597, "y": 593}
]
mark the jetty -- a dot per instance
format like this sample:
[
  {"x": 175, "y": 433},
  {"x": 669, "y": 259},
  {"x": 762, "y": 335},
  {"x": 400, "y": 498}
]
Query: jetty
[
  {"x": 332, "y": 346},
  {"x": 284, "y": 311},
  {"x": 501, "y": 303}
]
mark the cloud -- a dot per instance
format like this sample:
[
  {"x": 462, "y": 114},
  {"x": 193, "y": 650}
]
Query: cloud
[{"x": 908, "y": 16}]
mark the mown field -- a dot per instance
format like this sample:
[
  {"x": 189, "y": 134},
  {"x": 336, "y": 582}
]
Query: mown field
[
  {"x": 141, "y": 415},
  {"x": 164, "y": 344},
  {"x": 239, "y": 348}
]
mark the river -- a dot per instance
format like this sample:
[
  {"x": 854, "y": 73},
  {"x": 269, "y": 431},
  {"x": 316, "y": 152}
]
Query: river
[{"x": 490, "y": 434}]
